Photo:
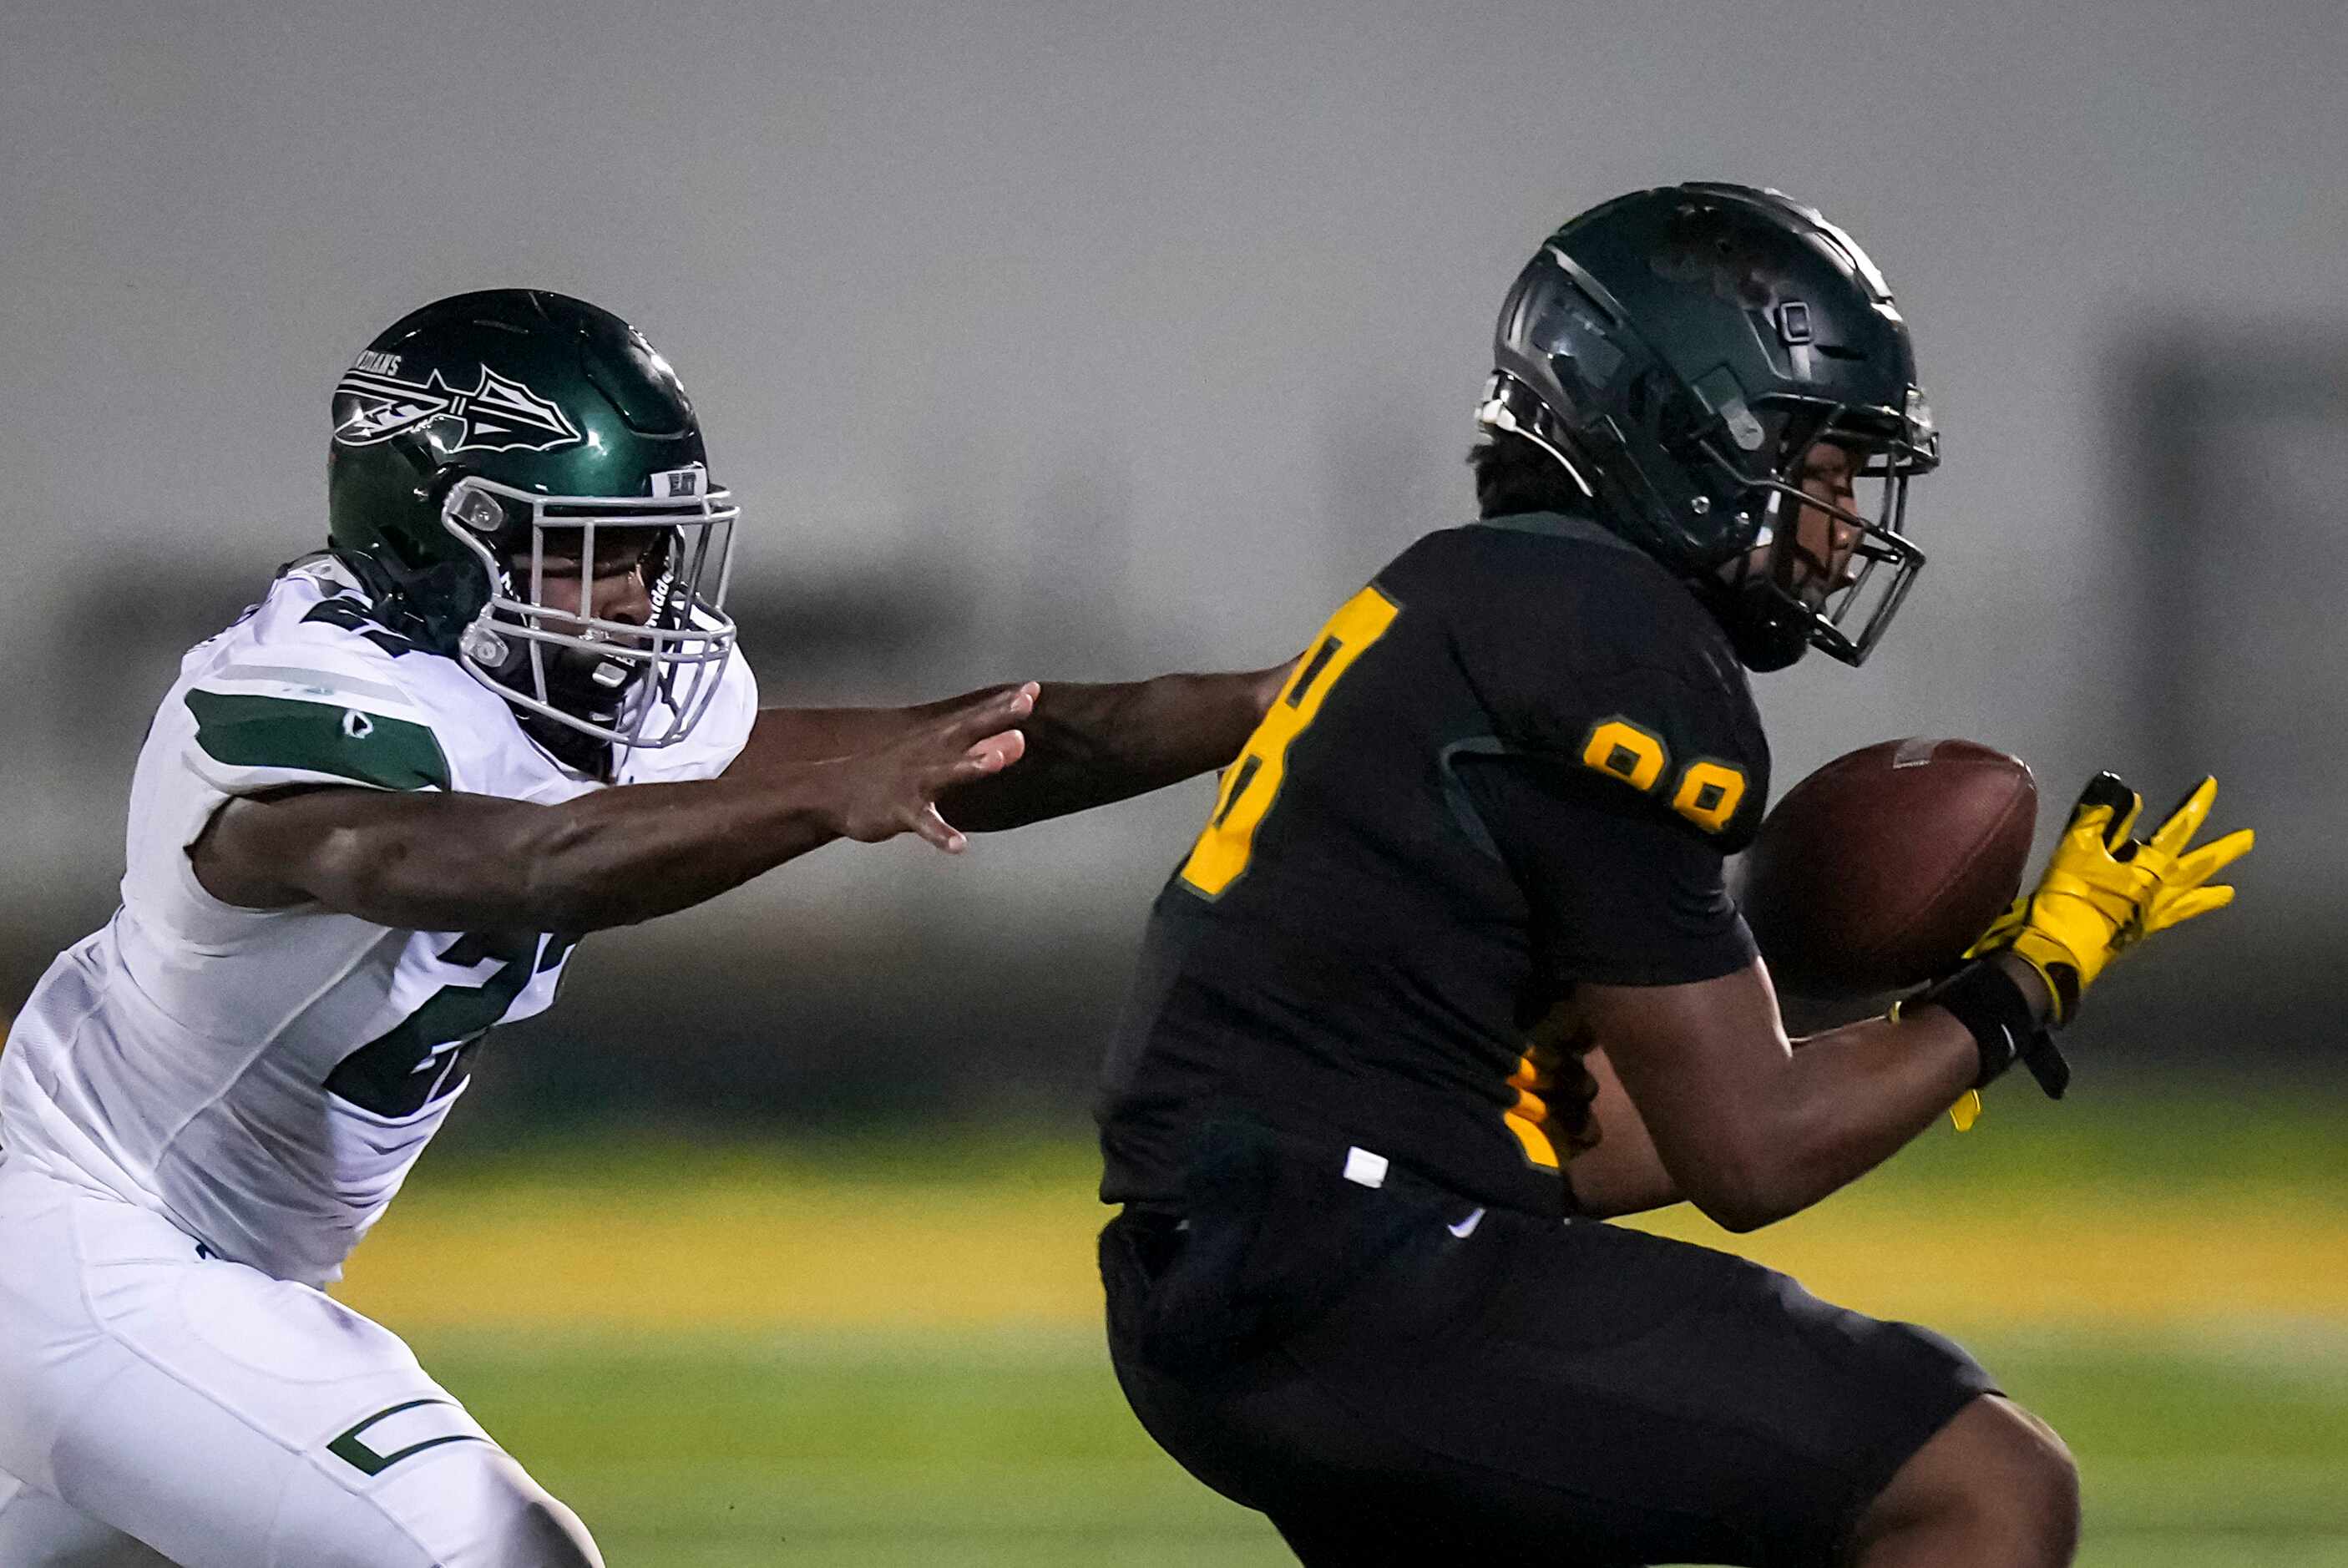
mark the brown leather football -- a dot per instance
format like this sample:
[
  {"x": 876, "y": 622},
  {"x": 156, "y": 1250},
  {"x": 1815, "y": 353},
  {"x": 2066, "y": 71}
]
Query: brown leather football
[{"x": 1878, "y": 870}]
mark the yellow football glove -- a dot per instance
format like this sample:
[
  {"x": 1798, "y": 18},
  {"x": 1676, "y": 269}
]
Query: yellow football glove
[{"x": 2104, "y": 891}]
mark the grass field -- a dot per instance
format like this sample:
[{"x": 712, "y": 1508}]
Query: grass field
[{"x": 863, "y": 1352}]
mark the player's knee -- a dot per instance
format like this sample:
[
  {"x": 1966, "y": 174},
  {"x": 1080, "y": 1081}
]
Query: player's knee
[
  {"x": 2043, "y": 1484},
  {"x": 1996, "y": 1479}
]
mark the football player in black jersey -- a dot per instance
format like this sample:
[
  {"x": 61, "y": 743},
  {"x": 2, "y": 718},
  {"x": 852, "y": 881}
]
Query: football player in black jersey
[{"x": 1452, "y": 974}]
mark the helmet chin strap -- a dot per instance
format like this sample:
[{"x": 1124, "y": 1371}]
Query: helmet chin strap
[
  {"x": 1767, "y": 635},
  {"x": 1768, "y": 629},
  {"x": 574, "y": 748},
  {"x": 579, "y": 681}
]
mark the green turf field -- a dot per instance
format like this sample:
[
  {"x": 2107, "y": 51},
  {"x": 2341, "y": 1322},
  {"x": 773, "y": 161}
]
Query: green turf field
[
  {"x": 862, "y": 1352},
  {"x": 947, "y": 1449}
]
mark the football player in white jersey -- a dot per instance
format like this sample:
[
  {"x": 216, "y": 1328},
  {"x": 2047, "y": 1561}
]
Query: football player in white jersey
[{"x": 369, "y": 823}]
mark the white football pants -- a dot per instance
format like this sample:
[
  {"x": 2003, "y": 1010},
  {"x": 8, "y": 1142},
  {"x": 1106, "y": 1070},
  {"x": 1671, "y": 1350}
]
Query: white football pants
[{"x": 160, "y": 1407}]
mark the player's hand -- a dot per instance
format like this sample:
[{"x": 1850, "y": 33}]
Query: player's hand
[
  {"x": 893, "y": 789},
  {"x": 2104, "y": 891}
]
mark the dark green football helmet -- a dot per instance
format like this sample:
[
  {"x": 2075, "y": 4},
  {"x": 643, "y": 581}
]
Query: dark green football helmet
[
  {"x": 481, "y": 428},
  {"x": 1679, "y": 351}
]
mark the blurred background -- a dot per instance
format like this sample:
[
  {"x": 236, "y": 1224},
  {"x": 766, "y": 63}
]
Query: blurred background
[{"x": 1086, "y": 341}]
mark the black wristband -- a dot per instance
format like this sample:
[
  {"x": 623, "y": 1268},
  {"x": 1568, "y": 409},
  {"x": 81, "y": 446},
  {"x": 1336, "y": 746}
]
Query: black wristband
[{"x": 1990, "y": 1004}]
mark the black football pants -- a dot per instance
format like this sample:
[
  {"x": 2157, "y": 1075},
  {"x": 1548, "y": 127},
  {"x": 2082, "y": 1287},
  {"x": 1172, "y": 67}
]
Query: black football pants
[{"x": 1398, "y": 1377}]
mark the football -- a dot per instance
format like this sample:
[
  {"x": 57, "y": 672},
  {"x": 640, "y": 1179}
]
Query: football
[{"x": 1878, "y": 870}]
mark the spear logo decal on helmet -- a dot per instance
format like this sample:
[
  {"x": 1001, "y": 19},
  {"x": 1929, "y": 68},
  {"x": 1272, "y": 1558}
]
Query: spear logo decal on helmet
[{"x": 500, "y": 415}]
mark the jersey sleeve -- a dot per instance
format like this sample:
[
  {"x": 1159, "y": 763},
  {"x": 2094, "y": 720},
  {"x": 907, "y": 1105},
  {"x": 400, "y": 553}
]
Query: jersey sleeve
[
  {"x": 1670, "y": 749},
  {"x": 278, "y": 701},
  {"x": 310, "y": 714},
  {"x": 1619, "y": 895},
  {"x": 1624, "y": 761},
  {"x": 1613, "y": 670}
]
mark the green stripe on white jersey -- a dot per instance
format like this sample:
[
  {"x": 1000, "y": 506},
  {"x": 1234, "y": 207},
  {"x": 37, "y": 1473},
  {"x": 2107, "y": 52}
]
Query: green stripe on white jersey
[{"x": 247, "y": 731}]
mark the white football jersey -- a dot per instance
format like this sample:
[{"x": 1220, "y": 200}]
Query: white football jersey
[{"x": 264, "y": 1080}]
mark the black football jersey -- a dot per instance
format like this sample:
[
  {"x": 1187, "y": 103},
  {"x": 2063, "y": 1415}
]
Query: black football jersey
[{"x": 1515, "y": 761}]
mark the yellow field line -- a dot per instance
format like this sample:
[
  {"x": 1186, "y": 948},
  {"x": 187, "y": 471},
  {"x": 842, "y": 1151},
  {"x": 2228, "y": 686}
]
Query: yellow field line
[{"x": 739, "y": 1256}]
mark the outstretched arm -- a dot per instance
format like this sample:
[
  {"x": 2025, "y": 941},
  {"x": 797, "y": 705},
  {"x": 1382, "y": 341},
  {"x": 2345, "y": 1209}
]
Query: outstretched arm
[
  {"x": 432, "y": 862},
  {"x": 1088, "y": 744}
]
